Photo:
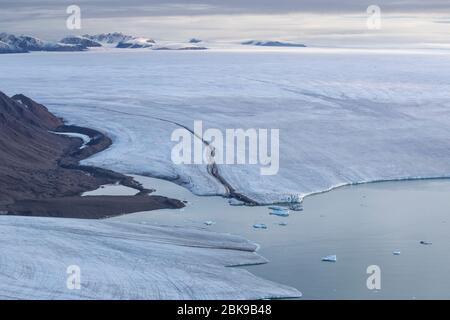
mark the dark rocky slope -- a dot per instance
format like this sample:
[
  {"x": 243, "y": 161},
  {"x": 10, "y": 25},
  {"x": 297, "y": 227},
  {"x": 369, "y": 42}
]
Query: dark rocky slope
[{"x": 39, "y": 171}]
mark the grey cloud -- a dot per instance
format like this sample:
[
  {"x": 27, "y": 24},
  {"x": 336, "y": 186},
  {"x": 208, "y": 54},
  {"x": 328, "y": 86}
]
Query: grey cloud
[
  {"x": 102, "y": 8},
  {"x": 46, "y": 18}
]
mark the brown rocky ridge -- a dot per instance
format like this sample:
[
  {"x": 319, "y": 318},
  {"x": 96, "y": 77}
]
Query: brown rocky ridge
[{"x": 40, "y": 173}]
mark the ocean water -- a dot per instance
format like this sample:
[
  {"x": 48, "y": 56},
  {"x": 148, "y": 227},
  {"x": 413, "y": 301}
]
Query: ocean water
[
  {"x": 363, "y": 225},
  {"x": 344, "y": 116}
]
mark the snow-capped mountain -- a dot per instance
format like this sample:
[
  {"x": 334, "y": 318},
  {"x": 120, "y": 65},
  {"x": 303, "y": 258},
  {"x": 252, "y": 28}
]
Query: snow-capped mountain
[
  {"x": 108, "y": 38},
  {"x": 10, "y": 43},
  {"x": 7, "y": 48},
  {"x": 136, "y": 43},
  {"x": 23, "y": 43},
  {"x": 80, "y": 40},
  {"x": 269, "y": 43},
  {"x": 120, "y": 40},
  {"x": 123, "y": 41}
]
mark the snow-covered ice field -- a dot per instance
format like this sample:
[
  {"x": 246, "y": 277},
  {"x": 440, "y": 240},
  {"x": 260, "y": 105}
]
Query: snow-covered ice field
[
  {"x": 120, "y": 260},
  {"x": 344, "y": 116}
]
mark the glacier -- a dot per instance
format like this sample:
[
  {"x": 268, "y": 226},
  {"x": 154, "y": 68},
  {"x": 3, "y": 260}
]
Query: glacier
[
  {"x": 119, "y": 260},
  {"x": 345, "y": 116}
]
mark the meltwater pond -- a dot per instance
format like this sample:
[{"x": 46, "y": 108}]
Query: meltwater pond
[{"x": 362, "y": 225}]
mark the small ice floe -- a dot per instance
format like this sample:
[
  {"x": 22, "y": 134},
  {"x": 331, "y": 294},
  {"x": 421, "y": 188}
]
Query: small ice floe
[
  {"x": 259, "y": 226},
  {"x": 279, "y": 211},
  {"x": 283, "y": 224},
  {"x": 235, "y": 202},
  {"x": 426, "y": 243},
  {"x": 209, "y": 223},
  {"x": 331, "y": 258},
  {"x": 277, "y": 208},
  {"x": 396, "y": 253},
  {"x": 296, "y": 207}
]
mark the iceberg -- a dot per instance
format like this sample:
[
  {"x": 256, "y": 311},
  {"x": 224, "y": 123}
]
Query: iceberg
[
  {"x": 280, "y": 213},
  {"x": 296, "y": 207},
  {"x": 235, "y": 202},
  {"x": 260, "y": 226},
  {"x": 331, "y": 258},
  {"x": 277, "y": 208}
]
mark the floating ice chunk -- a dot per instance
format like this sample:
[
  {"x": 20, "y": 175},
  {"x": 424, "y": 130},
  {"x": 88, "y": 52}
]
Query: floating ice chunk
[
  {"x": 259, "y": 226},
  {"x": 426, "y": 243},
  {"x": 331, "y": 258},
  {"x": 235, "y": 202},
  {"x": 279, "y": 211},
  {"x": 296, "y": 207},
  {"x": 283, "y": 224},
  {"x": 209, "y": 223},
  {"x": 278, "y": 208},
  {"x": 284, "y": 213},
  {"x": 396, "y": 253}
]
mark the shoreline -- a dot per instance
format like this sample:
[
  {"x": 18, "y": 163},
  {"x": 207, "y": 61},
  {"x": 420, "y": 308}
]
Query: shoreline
[
  {"x": 362, "y": 225},
  {"x": 407, "y": 179}
]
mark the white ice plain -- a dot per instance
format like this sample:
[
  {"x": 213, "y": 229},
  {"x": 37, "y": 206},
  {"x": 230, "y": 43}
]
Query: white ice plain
[
  {"x": 120, "y": 260},
  {"x": 344, "y": 117}
]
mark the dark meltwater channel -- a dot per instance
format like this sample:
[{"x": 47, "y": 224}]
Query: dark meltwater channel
[{"x": 363, "y": 225}]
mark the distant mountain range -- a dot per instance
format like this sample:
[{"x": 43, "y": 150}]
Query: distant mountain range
[
  {"x": 119, "y": 40},
  {"x": 268, "y": 43},
  {"x": 10, "y": 43}
]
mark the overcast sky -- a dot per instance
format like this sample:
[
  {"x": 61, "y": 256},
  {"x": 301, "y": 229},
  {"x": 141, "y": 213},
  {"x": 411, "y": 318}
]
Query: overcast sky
[{"x": 314, "y": 22}]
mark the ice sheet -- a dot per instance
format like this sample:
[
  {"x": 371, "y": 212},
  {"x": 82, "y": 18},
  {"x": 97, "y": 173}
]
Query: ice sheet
[
  {"x": 344, "y": 117},
  {"x": 121, "y": 260}
]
